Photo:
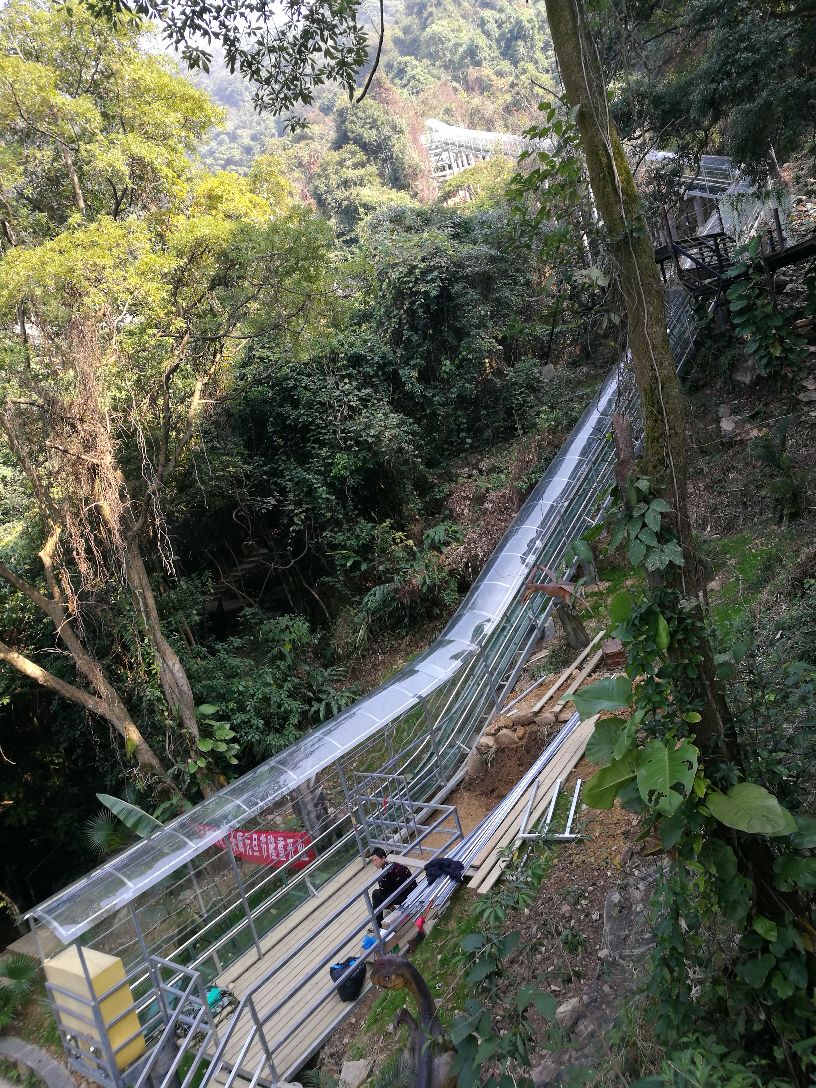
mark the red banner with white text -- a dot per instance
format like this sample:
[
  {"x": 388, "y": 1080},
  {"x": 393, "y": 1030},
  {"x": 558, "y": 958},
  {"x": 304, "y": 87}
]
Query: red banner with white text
[{"x": 272, "y": 847}]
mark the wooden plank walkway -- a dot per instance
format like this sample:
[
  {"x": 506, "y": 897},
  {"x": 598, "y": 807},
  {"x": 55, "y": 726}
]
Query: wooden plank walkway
[
  {"x": 489, "y": 866},
  {"x": 292, "y": 1048}
]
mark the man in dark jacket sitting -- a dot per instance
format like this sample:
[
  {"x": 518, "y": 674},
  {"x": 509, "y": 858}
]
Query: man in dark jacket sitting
[{"x": 396, "y": 878}]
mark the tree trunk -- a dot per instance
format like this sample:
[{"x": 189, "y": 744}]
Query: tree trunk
[
  {"x": 631, "y": 251},
  {"x": 173, "y": 678},
  {"x": 67, "y": 158},
  {"x": 106, "y": 705},
  {"x": 577, "y": 637},
  {"x": 106, "y": 701},
  {"x": 632, "y": 254},
  {"x": 172, "y": 675}
]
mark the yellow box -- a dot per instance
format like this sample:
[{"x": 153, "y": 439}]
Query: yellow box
[{"x": 65, "y": 970}]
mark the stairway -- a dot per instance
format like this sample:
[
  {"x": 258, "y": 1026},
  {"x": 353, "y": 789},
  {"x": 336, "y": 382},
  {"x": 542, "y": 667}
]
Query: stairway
[{"x": 701, "y": 262}]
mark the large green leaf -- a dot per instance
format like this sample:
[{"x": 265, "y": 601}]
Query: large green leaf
[
  {"x": 141, "y": 823},
  {"x": 805, "y": 837},
  {"x": 620, "y": 607},
  {"x": 626, "y": 738},
  {"x": 755, "y": 971},
  {"x": 665, "y": 775},
  {"x": 603, "y": 787},
  {"x": 793, "y": 871},
  {"x": 610, "y": 694},
  {"x": 600, "y": 747},
  {"x": 748, "y": 807},
  {"x": 662, "y": 636},
  {"x": 582, "y": 551}
]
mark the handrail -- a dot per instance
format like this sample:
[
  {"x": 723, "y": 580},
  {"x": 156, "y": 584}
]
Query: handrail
[
  {"x": 247, "y": 999},
  {"x": 302, "y": 875},
  {"x": 213, "y": 949}
]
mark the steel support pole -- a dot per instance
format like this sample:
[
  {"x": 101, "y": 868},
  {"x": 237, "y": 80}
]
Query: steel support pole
[
  {"x": 573, "y": 806},
  {"x": 374, "y": 922},
  {"x": 151, "y": 967},
  {"x": 431, "y": 728},
  {"x": 529, "y": 807},
  {"x": 197, "y": 890},
  {"x": 264, "y": 1044},
  {"x": 493, "y": 688},
  {"x": 551, "y": 809},
  {"x": 242, "y": 892},
  {"x": 203, "y": 909}
]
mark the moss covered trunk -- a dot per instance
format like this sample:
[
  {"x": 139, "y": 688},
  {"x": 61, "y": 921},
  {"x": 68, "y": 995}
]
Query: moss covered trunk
[{"x": 633, "y": 260}]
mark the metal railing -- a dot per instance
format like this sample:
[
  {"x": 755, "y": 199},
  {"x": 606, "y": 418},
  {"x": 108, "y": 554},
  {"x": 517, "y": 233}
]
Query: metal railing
[{"x": 227, "y": 1071}]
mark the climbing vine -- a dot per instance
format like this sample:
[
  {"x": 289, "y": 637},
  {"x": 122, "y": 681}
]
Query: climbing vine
[
  {"x": 771, "y": 346},
  {"x": 733, "y": 898}
]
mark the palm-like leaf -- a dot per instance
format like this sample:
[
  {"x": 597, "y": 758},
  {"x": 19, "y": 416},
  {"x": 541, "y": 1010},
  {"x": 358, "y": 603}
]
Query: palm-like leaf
[
  {"x": 17, "y": 976},
  {"x": 138, "y": 821},
  {"x": 105, "y": 834}
]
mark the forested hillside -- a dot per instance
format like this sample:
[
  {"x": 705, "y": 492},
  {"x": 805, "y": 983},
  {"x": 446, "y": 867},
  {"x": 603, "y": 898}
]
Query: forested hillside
[
  {"x": 482, "y": 66},
  {"x": 237, "y": 405}
]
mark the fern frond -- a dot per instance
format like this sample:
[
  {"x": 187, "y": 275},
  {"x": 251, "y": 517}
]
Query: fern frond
[{"x": 105, "y": 834}]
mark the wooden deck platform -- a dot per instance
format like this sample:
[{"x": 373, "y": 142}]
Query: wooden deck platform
[{"x": 292, "y": 1048}]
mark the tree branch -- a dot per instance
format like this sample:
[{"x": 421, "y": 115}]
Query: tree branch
[{"x": 53, "y": 683}]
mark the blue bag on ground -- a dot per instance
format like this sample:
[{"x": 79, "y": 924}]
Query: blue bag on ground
[{"x": 349, "y": 989}]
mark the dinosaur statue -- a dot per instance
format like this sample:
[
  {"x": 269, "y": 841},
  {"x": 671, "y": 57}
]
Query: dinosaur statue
[{"x": 427, "y": 1052}]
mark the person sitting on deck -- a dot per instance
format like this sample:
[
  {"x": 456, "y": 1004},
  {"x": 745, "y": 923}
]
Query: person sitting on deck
[{"x": 396, "y": 878}]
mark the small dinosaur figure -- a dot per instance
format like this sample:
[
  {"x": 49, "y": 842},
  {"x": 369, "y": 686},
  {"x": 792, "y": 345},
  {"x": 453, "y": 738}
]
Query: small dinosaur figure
[{"x": 428, "y": 1054}]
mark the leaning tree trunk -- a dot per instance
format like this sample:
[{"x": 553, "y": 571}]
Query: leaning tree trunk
[
  {"x": 172, "y": 675},
  {"x": 175, "y": 683},
  {"x": 574, "y": 630},
  {"x": 632, "y": 256},
  {"x": 102, "y": 699}
]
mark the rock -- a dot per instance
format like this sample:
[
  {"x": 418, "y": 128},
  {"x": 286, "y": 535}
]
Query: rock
[
  {"x": 583, "y": 1029},
  {"x": 728, "y": 425},
  {"x": 505, "y": 739},
  {"x": 567, "y": 1014},
  {"x": 725, "y": 410},
  {"x": 475, "y": 766},
  {"x": 604, "y": 954},
  {"x": 596, "y": 917},
  {"x": 626, "y": 929},
  {"x": 565, "y": 714},
  {"x": 353, "y": 1074},
  {"x": 524, "y": 717},
  {"x": 545, "y": 719},
  {"x": 521, "y": 732},
  {"x": 487, "y": 744},
  {"x": 545, "y": 1074},
  {"x": 547, "y": 372},
  {"x": 566, "y": 910}
]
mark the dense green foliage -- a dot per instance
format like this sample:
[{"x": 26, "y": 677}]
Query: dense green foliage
[
  {"x": 738, "y": 78},
  {"x": 234, "y": 407},
  {"x": 267, "y": 422},
  {"x": 733, "y": 903}
]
